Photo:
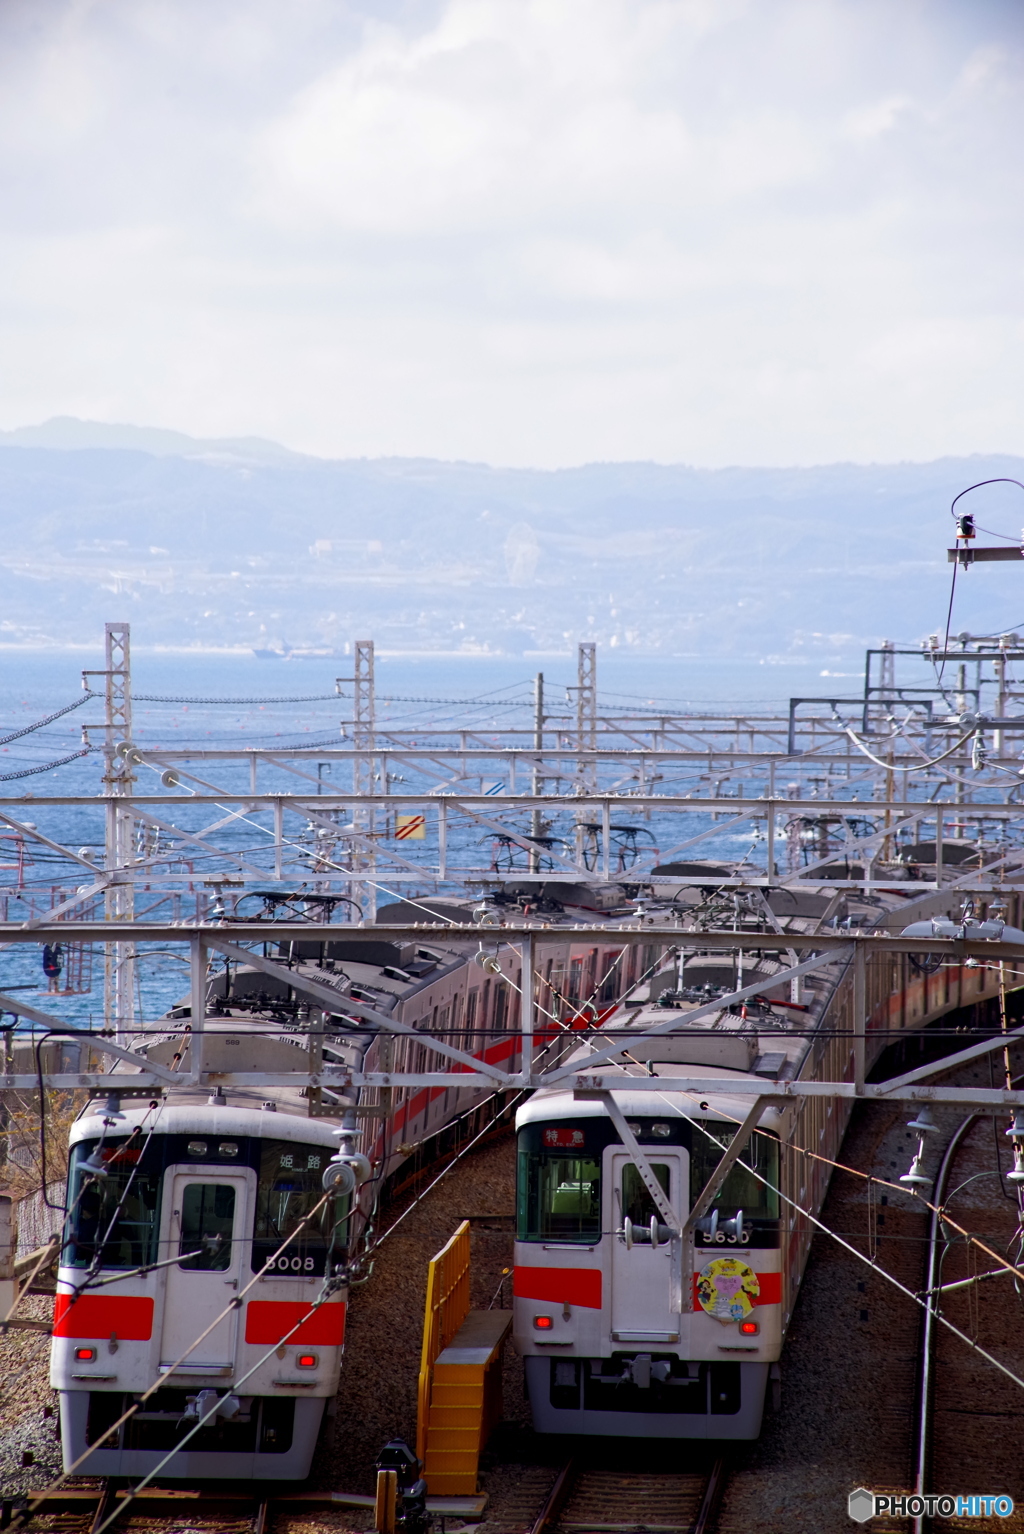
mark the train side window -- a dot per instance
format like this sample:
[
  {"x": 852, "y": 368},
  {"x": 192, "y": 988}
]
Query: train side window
[
  {"x": 500, "y": 1008},
  {"x": 637, "y": 1203},
  {"x": 610, "y": 982},
  {"x": 207, "y": 1225}
]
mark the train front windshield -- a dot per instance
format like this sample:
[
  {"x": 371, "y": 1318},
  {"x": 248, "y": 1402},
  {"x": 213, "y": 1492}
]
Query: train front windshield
[
  {"x": 559, "y": 1185},
  {"x": 742, "y": 1189},
  {"x": 113, "y": 1220},
  {"x": 290, "y": 1188}
]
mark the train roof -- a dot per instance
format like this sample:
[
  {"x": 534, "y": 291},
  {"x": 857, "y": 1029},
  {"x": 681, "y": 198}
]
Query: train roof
[
  {"x": 557, "y": 1103},
  {"x": 203, "y": 1117}
]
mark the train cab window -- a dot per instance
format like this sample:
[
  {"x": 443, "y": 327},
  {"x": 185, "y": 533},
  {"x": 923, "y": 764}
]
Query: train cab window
[
  {"x": 290, "y": 1187},
  {"x": 114, "y": 1221},
  {"x": 207, "y": 1225},
  {"x": 559, "y": 1185},
  {"x": 637, "y": 1203},
  {"x": 741, "y": 1189}
]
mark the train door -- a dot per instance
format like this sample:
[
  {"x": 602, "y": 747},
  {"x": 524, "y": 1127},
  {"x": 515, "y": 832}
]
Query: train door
[
  {"x": 208, "y": 1224},
  {"x": 642, "y": 1267}
]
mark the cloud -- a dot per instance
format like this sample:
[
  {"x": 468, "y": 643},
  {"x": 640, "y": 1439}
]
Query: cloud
[{"x": 529, "y": 231}]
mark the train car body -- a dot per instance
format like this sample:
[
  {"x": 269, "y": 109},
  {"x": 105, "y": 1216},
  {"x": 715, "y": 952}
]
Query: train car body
[
  {"x": 625, "y": 1330},
  {"x": 192, "y": 1202},
  {"x": 642, "y": 1339},
  {"x": 177, "y": 1204}
]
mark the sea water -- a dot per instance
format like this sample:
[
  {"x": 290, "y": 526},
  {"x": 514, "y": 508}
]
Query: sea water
[{"x": 415, "y": 693}]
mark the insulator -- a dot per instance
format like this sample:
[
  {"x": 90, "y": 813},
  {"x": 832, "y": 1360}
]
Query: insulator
[{"x": 916, "y": 1177}]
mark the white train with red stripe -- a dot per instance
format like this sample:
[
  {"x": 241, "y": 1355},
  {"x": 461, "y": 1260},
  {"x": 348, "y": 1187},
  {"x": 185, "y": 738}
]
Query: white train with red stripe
[
  {"x": 176, "y": 1204},
  {"x": 625, "y": 1328},
  {"x": 190, "y": 1203}
]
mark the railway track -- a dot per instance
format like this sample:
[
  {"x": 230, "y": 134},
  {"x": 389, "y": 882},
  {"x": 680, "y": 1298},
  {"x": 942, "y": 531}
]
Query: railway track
[
  {"x": 968, "y": 1418},
  {"x": 81, "y": 1510},
  {"x": 587, "y": 1500}
]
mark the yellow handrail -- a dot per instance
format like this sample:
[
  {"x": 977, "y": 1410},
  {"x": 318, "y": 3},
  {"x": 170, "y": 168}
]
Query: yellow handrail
[{"x": 447, "y": 1306}]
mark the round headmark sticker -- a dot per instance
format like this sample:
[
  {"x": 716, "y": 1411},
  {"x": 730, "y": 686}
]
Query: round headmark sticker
[{"x": 727, "y": 1288}]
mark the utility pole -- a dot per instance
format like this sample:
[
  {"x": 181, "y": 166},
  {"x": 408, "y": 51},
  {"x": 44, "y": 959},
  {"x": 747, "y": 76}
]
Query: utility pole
[
  {"x": 363, "y": 740},
  {"x": 586, "y": 709},
  {"x": 586, "y": 730},
  {"x": 887, "y": 678},
  {"x": 118, "y": 781},
  {"x": 536, "y": 778}
]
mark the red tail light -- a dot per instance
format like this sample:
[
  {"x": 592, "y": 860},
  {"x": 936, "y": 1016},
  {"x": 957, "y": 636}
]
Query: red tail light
[{"x": 543, "y": 1323}]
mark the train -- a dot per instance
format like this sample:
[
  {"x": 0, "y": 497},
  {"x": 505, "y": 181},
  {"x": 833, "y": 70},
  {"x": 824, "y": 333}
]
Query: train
[
  {"x": 632, "y": 1320},
  {"x": 191, "y": 1261},
  {"x": 179, "y": 1203}
]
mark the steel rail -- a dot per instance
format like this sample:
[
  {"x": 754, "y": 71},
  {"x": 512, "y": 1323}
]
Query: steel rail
[
  {"x": 707, "y": 1513},
  {"x": 547, "y": 1518}
]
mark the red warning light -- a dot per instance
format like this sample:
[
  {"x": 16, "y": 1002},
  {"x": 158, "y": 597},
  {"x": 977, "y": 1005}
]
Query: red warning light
[
  {"x": 307, "y": 1360},
  {"x": 543, "y": 1323},
  {"x": 749, "y": 1328},
  {"x": 85, "y": 1355}
]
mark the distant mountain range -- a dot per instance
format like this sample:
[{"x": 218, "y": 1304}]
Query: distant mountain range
[{"x": 240, "y": 542}]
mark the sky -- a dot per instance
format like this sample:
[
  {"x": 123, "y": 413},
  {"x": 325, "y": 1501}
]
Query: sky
[{"x": 525, "y": 232}]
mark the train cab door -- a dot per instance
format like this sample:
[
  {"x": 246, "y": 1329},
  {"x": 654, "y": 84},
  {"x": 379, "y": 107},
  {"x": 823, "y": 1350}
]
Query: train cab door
[
  {"x": 642, "y": 1268},
  {"x": 208, "y": 1224}
]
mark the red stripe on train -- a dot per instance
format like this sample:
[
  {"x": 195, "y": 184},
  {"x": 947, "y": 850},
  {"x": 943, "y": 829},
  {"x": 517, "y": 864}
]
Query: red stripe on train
[
  {"x": 97, "y": 1316},
  {"x": 270, "y": 1321},
  {"x": 559, "y": 1286}
]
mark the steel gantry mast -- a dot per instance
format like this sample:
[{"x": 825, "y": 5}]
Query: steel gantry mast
[
  {"x": 363, "y": 857},
  {"x": 118, "y": 780}
]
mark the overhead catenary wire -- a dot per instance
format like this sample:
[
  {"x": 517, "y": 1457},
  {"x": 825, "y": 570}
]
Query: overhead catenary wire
[
  {"x": 40, "y": 724},
  {"x": 31, "y": 772}
]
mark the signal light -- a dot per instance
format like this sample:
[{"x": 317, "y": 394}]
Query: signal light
[
  {"x": 307, "y": 1360},
  {"x": 543, "y": 1323},
  {"x": 749, "y": 1328},
  {"x": 85, "y": 1355}
]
